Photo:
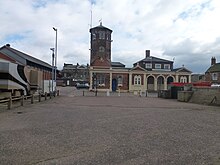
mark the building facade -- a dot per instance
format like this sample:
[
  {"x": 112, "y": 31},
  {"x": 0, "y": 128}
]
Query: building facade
[
  {"x": 23, "y": 73},
  {"x": 76, "y": 72},
  {"x": 72, "y": 74},
  {"x": 150, "y": 73},
  {"x": 213, "y": 72}
]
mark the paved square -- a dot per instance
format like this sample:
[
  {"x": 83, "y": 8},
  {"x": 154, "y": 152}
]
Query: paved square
[{"x": 125, "y": 130}]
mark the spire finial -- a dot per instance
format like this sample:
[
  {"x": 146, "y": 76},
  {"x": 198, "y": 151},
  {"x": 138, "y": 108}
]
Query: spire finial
[{"x": 100, "y": 22}]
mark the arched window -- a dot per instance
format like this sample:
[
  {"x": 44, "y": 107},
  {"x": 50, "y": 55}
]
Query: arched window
[
  {"x": 137, "y": 80},
  {"x": 183, "y": 79}
]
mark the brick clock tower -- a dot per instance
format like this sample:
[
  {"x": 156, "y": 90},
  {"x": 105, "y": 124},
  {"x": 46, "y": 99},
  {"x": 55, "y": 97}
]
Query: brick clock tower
[{"x": 100, "y": 52}]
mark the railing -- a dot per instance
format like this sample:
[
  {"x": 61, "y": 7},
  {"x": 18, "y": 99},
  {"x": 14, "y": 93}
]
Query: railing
[
  {"x": 139, "y": 93},
  {"x": 32, "y": 98}
]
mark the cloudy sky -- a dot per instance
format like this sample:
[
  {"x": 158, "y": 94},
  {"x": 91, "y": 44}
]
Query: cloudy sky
[{"x": 187, "y": 31}]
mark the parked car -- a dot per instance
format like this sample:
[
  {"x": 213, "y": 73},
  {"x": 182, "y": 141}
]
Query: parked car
[
  {"x": 215, "y": 86},
  {"x": 82, "y": 86}
]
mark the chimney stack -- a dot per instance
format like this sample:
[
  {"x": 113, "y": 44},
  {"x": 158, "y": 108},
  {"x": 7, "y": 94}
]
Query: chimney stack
[
  {"x": 213, "y": 61},
  {"x": 147, "y": 53}
]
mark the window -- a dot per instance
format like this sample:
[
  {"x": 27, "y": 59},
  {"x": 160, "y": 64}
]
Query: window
[
  {"x": 137, "y": 80},
  {"x": 166, "y": 66},
  {"x": 107, "y": 36},
  {"x": 94, "y": 36},
  {"x": 157, "y": 66},
  {"x": 183, "y": 79},
  {"x": 101, "y": 49},
  {"x": 101, "y": 80},
  {"x": 148, "y": 66},
  {"x": 120, "y": 81},
  {"x": 214, "y": 76},
  {"x": 102, "y": 35}
]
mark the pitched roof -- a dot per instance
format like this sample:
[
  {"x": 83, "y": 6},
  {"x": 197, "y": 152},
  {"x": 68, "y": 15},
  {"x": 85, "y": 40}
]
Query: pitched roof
[
  {"x": 154, "y": 59},
  {"x": 181, "y": 69},
  {"x": 100, "y": 27},
  {"x": 82, "y": 66},
  {"x": 214, "y": 68},
  {"x": 21, "y": 57},
  {"x": 138, "y": 67},
  {"x": 77, "y": 66},
  {"x": 117, "y": 64},
  {"x": 3, "y": 57},
  {"x": 69, "y": 66}
]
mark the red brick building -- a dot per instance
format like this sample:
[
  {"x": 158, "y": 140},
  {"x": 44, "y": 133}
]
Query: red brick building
[
  {"x": 23, "y": 73},
  {"x": 150, "y": 73}
]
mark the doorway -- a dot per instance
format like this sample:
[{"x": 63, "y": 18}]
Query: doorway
[{"x": 114, "y": 85}]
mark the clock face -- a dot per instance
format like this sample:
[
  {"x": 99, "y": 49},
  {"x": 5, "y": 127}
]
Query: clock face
[
  {"x": 101, "y": 59},
  {"x": 101, "y": 49}
]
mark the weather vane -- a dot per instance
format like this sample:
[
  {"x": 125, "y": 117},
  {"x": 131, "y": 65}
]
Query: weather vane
[{"x": 100, "y": 21}]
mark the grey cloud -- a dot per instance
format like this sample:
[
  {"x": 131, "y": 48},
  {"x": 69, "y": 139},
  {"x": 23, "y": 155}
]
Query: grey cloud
[
  {"x": 136, "y": 27},
  {"x": 194, "y": 55}
]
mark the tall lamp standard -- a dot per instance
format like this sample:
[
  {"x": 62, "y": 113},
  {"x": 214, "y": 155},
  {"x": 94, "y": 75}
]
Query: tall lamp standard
[
  {"x": 52, "y": 49},
  {"x": 55, "y": 29}
]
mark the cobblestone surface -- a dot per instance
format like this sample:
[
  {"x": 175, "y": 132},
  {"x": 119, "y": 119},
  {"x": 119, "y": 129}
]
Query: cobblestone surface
[{"x": 124, "y": 130}]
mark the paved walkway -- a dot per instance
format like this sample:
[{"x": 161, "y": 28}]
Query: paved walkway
[{"x": 125, "y": 130}]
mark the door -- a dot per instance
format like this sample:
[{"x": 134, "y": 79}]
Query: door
[{"x": 114, "y": 85}]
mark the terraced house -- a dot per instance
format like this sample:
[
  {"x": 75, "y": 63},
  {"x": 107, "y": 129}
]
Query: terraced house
[{"x": 150, "y": 73}]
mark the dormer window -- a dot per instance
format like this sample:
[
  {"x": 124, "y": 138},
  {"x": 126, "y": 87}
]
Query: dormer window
[
  {"x": 157, "y": 66},
  {"x": 148, "y": 66},
  {"x": 166, "y": 66}
]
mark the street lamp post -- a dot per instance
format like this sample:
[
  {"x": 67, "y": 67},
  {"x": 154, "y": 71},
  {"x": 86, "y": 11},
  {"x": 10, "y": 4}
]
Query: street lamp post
[
  {"x": 52, "y": 49},
  {"x": 55, "y": 29}
]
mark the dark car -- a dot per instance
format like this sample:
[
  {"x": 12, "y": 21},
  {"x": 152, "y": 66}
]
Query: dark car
[{"x": 82, "y": 86}]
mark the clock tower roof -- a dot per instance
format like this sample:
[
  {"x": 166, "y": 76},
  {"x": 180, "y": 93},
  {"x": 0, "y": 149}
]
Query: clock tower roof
[{"x": 100, "y": 27}]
